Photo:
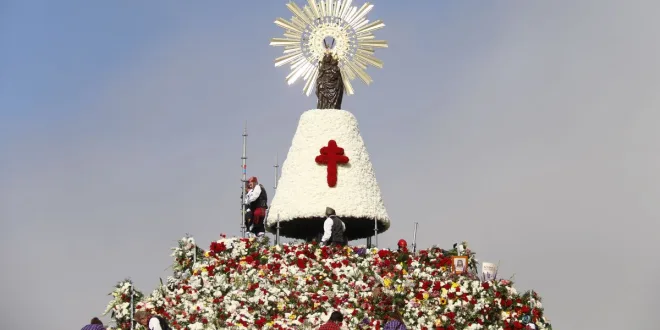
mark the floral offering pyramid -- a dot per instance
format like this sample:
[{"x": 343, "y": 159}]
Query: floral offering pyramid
[{"x": 248, "y": 284}]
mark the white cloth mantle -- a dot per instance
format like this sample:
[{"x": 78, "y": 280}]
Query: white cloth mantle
[{"x": 302, "y": 190}]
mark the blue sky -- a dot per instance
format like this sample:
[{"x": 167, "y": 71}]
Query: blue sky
[{"x": 526, "y": 128}]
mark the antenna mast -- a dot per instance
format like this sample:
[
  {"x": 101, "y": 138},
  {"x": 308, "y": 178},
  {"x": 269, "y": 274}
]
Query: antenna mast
[
  {"x": 415, "y": 239},
  {"x": 277, "y": 178},
  {"x": 243, "y": 179},
  {"x": 277, "y": 172}
]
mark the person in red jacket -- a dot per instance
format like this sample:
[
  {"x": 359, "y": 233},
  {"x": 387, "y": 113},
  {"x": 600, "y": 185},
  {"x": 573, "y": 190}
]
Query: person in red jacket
[{"x": 334, "y": 323}]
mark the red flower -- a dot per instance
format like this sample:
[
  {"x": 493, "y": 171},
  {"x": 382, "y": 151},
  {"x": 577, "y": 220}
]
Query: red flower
[{"x": 260, "y": 322}]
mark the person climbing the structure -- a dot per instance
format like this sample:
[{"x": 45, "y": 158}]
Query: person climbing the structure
[{"x": 256, "y": 201}]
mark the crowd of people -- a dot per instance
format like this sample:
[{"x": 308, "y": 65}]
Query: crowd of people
[{"x": 335, "y": 322}]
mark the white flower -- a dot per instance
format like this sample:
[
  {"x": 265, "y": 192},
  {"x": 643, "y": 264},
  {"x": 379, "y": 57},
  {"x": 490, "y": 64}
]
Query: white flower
[{"x": 196, "y": 326}]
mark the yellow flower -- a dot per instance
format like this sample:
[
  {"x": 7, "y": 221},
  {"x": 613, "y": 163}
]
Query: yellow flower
[
  {"x": 443, "y": 301},
  {"x": 387, "y": 282},
  {"x": 207, "y": 254},
  {"x": 292, "y": 317},
  {"x": 425, "y": 295},
  {"x": 399, "y": 288},
  {"x": 455, "y": 285},
  {"x": 405, "y": 272},
  {"x": 443, "y": 269},
  {"x": 204, "y": 270},
  {"x": 438, "y": 322}
]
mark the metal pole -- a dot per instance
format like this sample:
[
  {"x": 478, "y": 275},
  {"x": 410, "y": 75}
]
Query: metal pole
[
  {"x": 194, "y": 254},
  {"x": 277, "y": 173},
  {"x": 376, "y": 232},
  {"x": 277, "y": 231},
  {"x": 276, "y": 166},
  {"x": 243, "y": 179},
  {"x": 415, "y": 238},
  {"x": 369, "y": 242},
  {"x": 132, "y": 308}
]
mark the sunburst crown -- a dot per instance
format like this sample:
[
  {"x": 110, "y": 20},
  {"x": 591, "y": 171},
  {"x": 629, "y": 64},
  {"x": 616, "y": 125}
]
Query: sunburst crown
[{"x": 353, "y": 42}]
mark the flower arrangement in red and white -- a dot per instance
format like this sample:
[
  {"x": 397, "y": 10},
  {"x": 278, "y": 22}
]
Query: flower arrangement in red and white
[{"x": 250, "y": 284}]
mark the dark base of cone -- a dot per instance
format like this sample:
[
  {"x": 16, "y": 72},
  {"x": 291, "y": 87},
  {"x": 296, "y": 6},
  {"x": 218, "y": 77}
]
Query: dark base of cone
[{"x": 312, "y": 228}]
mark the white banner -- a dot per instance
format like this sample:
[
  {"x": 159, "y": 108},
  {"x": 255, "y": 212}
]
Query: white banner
[{"x": 489, "y": 270}]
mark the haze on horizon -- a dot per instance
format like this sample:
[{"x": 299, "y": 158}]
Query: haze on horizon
[{"x": 528, "y": 129}]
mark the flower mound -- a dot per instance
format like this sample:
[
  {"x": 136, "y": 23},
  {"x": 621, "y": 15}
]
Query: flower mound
[{"x": 246, "y": 283}]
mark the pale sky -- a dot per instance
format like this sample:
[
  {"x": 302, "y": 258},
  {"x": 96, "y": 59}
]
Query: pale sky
[{"x": 527, "y": 128}]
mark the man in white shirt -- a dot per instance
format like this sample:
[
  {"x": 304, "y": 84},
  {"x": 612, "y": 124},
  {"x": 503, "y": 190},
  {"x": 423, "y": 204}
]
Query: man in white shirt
[
  {"x": 256, "y": 201},
  {"x": 333, "y": 229}
]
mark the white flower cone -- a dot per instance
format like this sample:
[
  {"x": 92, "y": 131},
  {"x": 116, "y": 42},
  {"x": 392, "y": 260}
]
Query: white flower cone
[{"x": 303, "y": 192}]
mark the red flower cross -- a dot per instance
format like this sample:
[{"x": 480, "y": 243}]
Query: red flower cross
[{"x": 332, "y": 155}]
